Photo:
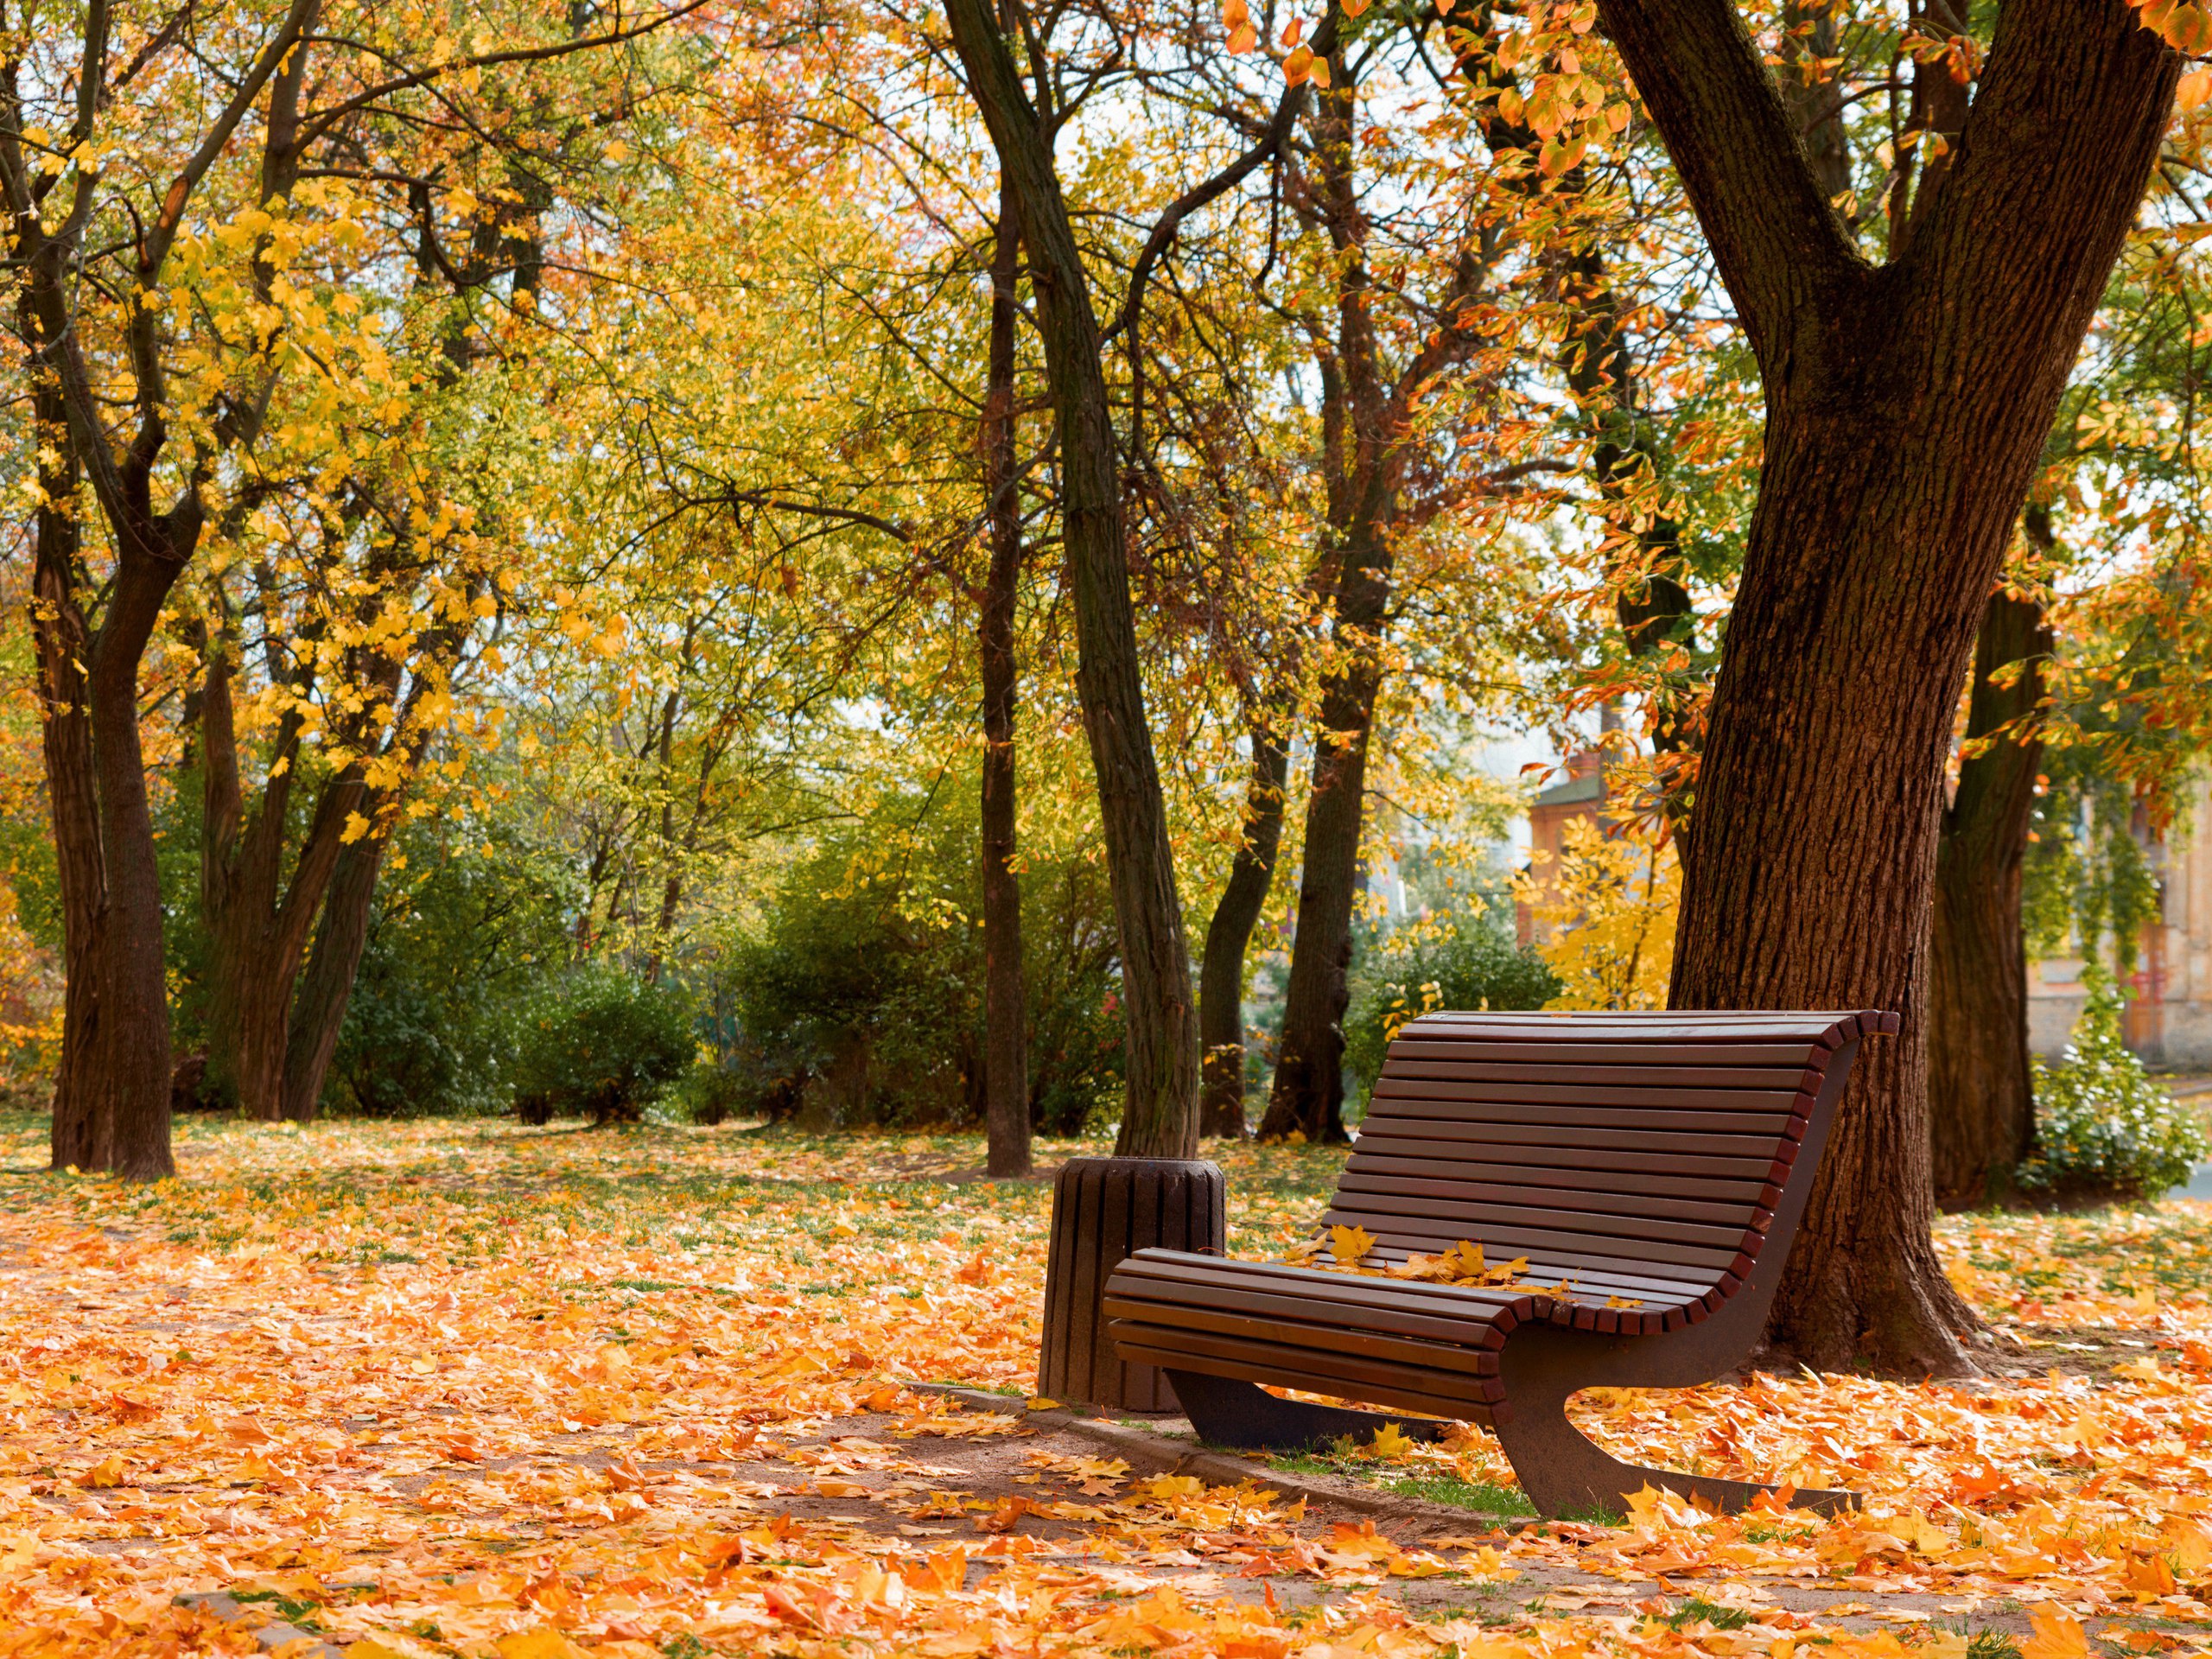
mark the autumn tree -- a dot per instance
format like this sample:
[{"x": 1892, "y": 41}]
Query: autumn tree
[
  {"x": 1906, "y": 402},
  {"x": 146, "y": 165}
]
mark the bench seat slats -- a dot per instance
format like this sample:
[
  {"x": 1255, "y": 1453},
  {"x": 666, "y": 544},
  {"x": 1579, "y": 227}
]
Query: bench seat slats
[
  {"x": 1618, "y": 1029},
  {"x": 1490, "y": 1051},
  {"x": 1582, "y": 1148},
  {"x": 1543, "y": 1164},
  {"x": 1318, "y": 1368},
  {"x": 1275, "y": 1363},
  {"x": 1587, "y": 1095},
  {"x": 1470, "y": 1310},
  {"x": 1599, "y": 1079},
  {"x": 1672, "y": 1263},
  {"x": 1630, "y": 1192},
  {"x": 1263, "y": 1318},
  {"x": 1523, "y": 1210},
  {"x": 1441, "y": 1105}
]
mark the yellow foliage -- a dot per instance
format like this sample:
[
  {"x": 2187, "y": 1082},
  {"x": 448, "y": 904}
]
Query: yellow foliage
[{"x": 1606, "y": 908}]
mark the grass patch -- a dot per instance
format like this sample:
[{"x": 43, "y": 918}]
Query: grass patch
[{"x": 1428, "y": 1487}]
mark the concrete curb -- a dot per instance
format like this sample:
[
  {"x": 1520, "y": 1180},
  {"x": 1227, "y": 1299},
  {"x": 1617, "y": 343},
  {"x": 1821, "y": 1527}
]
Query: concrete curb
[
  {"x": 271, "y": 1636},
  {"x": 1159, "y": 1454}
]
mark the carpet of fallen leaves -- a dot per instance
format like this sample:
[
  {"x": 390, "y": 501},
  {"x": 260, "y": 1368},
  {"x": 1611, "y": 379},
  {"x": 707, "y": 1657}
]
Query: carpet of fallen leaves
[{"x": 459, "y": 1388}]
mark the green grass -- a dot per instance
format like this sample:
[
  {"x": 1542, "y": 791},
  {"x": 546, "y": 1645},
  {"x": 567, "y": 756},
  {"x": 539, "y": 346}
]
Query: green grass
[
  {"x": 1478, "y": 1496},
  {"x": 1721, "y": 1619}
]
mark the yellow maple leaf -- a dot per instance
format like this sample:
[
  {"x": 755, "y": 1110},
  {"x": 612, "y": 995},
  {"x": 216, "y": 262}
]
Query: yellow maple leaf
[
  {"x": 369, "y": 1648},
  {"x": 1350, "y": 1245},
  {"x": 1391, "y": 1441},
  {"x": 108, "y": 1471},
  {"x": 2058, "y": 1635}
]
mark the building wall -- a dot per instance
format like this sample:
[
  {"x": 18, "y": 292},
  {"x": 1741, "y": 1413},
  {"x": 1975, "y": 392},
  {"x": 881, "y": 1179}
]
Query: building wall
[{"x": 2169, "y": 999}]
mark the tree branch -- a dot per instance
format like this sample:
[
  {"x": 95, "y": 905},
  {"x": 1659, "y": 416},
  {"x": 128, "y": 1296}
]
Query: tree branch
[{"x": 1780, "y": 248}]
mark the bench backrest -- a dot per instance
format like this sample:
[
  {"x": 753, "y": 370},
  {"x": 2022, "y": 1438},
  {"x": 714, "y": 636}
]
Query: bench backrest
[{"x": 1638, "y": 1155}]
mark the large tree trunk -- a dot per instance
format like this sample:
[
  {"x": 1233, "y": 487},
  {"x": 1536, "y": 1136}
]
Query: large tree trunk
[
  {"x": 1221, "y": 976},
  {"x": 127, "y": 1063},
  {"x": 1980, "y": 1107},
  {"x": 1160, "y": 1118},
  {"x": 1906, "y": 410},
  {"x": 1006, "y": 1054},
  {"x": 326, "y": 984}
]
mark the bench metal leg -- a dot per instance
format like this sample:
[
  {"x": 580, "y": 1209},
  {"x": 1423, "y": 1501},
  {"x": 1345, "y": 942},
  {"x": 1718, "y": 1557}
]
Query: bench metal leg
[
  {"x": 1564, "y": 1475},
  {"x": 1228, "y": 1412}
]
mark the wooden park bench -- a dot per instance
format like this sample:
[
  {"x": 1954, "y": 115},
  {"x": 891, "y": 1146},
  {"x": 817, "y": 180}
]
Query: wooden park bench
[{"x": 1651, "y": 1167}]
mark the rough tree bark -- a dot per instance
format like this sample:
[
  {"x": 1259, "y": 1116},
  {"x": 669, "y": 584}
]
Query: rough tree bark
[
  {"x": 325, "y": 983},
  {"x": 1221, "y": 974},
  {"x": 1980, "y": 1107},
  {"x": 1005, "y": 1054},
  {"x": 259, "y": 920},
  {"x": 1159, "y": 1117},
  {"x": 1906, "y": 406}
]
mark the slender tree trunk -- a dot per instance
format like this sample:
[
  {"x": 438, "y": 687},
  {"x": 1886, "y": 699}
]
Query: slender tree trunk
[
  {"x": 1980, "y": 1107},
  {"x": 1362, "y": 432},
  {"x": 326, "y": 984},
  {"x": 1006, "y": 1057},
  {"x": 1160, "y": 1118},
  {"x": 1221, "y": 978},
  {"x": 61, "y": 646},
  {"x": 1907, "y": 408}
]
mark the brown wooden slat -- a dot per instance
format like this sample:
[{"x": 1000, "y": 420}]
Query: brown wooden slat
[
  {"x": 1542, "y": 1241},
  {"x": 1436, "y": 1102},
  {"x": 1444, "y": 1394},
  {"x": 1571, "y": 1144},
  {"x": 1618, "y": 1274},
  {"x": 1636, "y": 1191},
  {"x": 1608, "y": 1098},
  {"x": 1449, "y": 1302},
  {"x": 1410, "y": 1138},
  {"x": 1467, "y": 1308},
  {"x": 1627, "y": 1032},
  {"x": 1805, "y": 1055},
  {"x": 1589, "y": 1073},
  {"x": 1265, "y": 1318},
  {"x": 1546, "y": 1212}
]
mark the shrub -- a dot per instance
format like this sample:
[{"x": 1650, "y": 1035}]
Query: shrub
[
  {"x": 2103, "y": 1128},
  {"x": 1463, "y": 960},
  {"x": 602, "y": 1045},
  {"x": 857, "y": 998},
  {"x": 462, "y": 941}
]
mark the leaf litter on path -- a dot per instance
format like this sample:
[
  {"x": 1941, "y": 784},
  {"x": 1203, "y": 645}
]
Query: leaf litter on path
[{"x": 470, "y": 1389}]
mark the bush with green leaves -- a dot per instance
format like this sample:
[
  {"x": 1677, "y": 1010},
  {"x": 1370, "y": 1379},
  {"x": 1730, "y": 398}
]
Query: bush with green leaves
[
  {"x": 470, "y": 923},
  {"x": 2104, "y": 1128},
  {"x": 1465, "y": 959},
  {"x": 604, "y": 1045},
  {"x": 857, "y": 998}
]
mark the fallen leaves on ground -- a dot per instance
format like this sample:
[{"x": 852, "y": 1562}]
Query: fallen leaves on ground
[{"x": 471, "y": 1388}]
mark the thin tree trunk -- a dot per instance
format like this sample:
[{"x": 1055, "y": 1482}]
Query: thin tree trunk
[
  {"x": 1362, "y": 432},
  {"x": 1159, "y": 1117},
  {"x": 1006, "y": 1057},
  {"x": 326, "y": 984},
  {"x": 1907, "y": 408},
  {"x": 58, "y": 642},
  {"x": 1980, "y": 1107},
  {"x": 1221, "y": 976}
]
